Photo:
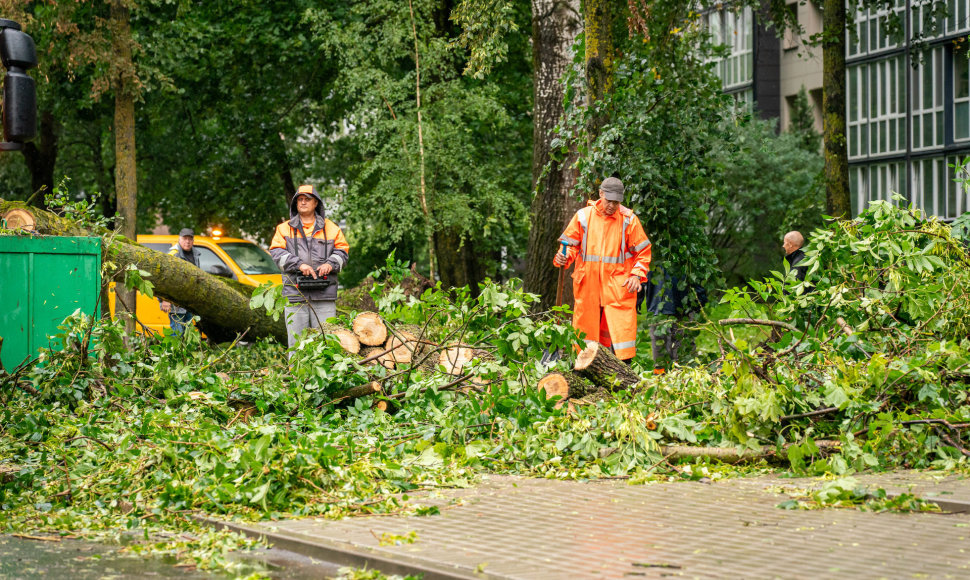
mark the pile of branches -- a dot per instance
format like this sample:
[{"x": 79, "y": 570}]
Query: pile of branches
[{"x": 870, "y": 354}]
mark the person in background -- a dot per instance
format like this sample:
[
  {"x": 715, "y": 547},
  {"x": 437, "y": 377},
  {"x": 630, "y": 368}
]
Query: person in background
[
  {"x": 612, "y": 255},
  {"x": 311, "y": 245},
  {"x": 669, "y": 339},
  {"x": 792, "y": 244},
  {"x": 178, "y": 317}
]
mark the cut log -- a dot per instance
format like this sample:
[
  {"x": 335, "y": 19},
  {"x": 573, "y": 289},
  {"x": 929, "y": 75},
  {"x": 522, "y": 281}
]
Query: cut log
[
  {"x": 555, "y": 385},
  {"x": 370, "y": 329},
  {"x": 603, "y": 369},
  {"x": 455, "y": 359},
  {"x": 176, "y": 280},
  {"x": 386, "y": 406},
  {"x": 348, "y": 340},
  {"x": 369, "y": 351},
  {"x": 566, "y": 385},
  {"x": 404, "y": 346},
  {"x": 20, "y": 219},
  {"x": 359, "y": 391}
]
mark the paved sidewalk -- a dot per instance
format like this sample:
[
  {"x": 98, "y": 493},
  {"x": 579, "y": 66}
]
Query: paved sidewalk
[{"x": 519, "y": 528}]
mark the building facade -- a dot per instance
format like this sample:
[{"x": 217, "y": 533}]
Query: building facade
[
  {"x": 908, "y": 107},
  {"x": 761, "y": 71},
  {"x": 907, "y": 95}
]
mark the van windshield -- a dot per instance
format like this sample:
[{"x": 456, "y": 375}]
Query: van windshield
[{"x": 250, "y": 258}]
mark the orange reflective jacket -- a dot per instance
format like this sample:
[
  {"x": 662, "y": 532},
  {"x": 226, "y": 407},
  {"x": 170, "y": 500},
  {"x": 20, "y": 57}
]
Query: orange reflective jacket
[{"x": 607, "y": 250}]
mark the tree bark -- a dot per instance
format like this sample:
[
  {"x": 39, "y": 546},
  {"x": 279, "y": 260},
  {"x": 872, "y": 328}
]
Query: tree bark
[
  {"x": 599, "y": 58},
  {"x": 457, "y": 261},
  {"x": 555, "y": 25},
  {"x": 41, "y": 155},
  {"x": 837, "y": 202},
  {"x": 126, "y": 182},
  {"x": 603, "y": 369},
  {"x": 211, "y": 297}
]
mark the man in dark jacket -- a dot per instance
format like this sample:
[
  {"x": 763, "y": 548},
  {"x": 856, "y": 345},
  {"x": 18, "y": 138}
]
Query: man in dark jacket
[
  {"x": 178, "y": 317},
  {"x": 312, "y": 246},
  {"x": 792, "y": 245},
  {"x": 670, "y": 339}
]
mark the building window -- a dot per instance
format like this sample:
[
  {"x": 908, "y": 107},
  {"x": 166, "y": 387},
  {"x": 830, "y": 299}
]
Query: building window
[
  {"x": 735, "y": 30},
  {"x": 887, "y": 106},
  {"x": 957, "y": 196},
  {"x": 935, "y": 189},
  {"x": 927, "y": 128},
  {"x": 876, "y": 182},
  {"x": 961, "y": 95},
  {"x": 925, "y": 23},
  {"x": 876, "y": 108},
  {"x": 871, "y": 30},
  {"x": 857, "y": 111},
  {"x": 958, "y": 16}
]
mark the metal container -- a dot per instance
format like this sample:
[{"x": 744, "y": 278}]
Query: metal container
[{"x": 44, "y": 280}]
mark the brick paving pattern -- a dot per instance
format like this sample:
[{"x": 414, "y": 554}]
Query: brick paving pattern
[{"x": 510, "y": 527}]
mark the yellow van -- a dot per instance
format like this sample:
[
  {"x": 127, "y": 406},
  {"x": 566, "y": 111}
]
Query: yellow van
[{"x": 240, "y": 260}]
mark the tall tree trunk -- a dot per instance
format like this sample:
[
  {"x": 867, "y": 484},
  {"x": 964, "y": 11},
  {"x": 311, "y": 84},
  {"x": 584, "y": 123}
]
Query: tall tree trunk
[
  {"x": 457, "y": 262},
  {"x": 599, "y": 58},
  {"x": 555, "y": 24},
  {"x": 41, "y": 155},
  {"x": 126, "y": 184},
  {"x": 833, "y": 108}
]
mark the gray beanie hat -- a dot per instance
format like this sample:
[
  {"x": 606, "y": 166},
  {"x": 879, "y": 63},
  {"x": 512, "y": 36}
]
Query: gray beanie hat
[{"x": 612, "y": 189}]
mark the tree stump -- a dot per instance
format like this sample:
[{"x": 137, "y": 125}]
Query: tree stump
[
  {"x": 370, "y": 329},
  {"x": 348, "y": 340},
  {"x": 603, "y": 369}
]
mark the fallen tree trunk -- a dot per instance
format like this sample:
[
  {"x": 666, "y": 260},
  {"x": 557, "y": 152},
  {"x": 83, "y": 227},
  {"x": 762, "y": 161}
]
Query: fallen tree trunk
[
  {"x": 603, "y": 369},
  {"x": 176, "y": 280}
]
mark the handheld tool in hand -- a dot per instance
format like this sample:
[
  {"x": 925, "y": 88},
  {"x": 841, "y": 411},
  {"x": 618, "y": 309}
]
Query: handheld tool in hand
[
  {"x": 548, "y": 358},
  {"x": 311, "y": 283}
]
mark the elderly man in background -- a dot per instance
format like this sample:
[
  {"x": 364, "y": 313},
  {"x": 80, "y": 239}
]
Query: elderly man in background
[
  {"x": 612, "y": 255},
  {"x": 178, "y": 317},
  {"x": 792, "y": 244}
]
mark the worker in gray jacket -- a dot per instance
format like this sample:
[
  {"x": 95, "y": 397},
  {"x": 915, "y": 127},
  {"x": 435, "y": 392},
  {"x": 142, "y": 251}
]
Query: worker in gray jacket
[{"x": 310, "y": 246}]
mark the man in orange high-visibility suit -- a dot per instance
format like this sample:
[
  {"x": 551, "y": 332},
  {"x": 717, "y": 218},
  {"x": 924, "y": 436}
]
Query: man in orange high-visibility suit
[{"x": 612, "y": 256}]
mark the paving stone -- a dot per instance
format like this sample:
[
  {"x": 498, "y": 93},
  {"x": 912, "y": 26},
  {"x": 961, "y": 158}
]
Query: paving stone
[{"x": 533, "y": 529}]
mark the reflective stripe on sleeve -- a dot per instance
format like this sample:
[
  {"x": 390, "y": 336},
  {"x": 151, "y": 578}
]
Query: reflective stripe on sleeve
[
  {"x": 569, "y": 241},
  {"x": 622, "y": 345}
]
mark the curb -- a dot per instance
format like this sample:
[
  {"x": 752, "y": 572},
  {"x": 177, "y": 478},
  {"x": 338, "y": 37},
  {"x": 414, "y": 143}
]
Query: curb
[{"x": 347, "y": 554}]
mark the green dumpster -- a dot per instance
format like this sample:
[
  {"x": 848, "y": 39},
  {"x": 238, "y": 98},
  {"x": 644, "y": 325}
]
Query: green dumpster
[{"x": 44, "y": 280}]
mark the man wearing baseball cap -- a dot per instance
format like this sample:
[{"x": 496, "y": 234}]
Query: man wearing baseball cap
[
  {"x": 178, "y": 317},
  {"x": 612, "y": 255}
]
